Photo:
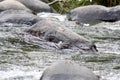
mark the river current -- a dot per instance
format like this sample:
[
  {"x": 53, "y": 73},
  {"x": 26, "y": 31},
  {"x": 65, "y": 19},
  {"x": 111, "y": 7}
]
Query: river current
[{"x": 21, "y": 59}]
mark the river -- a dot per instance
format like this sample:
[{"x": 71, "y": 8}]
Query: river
[{"x": 21, "y": 59}]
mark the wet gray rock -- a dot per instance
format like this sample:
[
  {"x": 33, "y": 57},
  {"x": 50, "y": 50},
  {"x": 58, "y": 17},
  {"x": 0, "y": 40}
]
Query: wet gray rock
[
  {"x": 53, "y": 31},
  {"x": 12, "y": 4},
  {"x": 1, "y": 0},
  {"x": 116, "y": 11},
  {"x": 88, "y": 14},
  {"x": 36, "y": 5},
  {"x": 68, "y": 70},
  {"x": 92, "y": 14},
  {"x": 18, "y": 17}
]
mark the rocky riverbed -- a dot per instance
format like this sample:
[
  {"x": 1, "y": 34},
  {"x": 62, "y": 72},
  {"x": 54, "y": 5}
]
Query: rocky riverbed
[{"x": 22, "y": 58}]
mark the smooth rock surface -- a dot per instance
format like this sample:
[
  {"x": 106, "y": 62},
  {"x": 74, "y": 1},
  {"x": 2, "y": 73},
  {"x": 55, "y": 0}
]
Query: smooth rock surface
[
  {"x": 18, "y": 17},
  {"x": 92, "y": 14},
  {"x": 68, "y": 70},
  {"x": 12, "y": 4},
  {"x": 36, "y": 5},
  {"x": 116, "y": 10}
]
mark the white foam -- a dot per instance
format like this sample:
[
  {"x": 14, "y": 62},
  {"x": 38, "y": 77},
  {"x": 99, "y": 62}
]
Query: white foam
[
  {"x": 52, "y": 15},
  {"x": 14, "y": 74}
]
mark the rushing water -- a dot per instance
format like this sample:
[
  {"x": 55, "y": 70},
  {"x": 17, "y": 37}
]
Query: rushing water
[{"x": 21, "y": 59}]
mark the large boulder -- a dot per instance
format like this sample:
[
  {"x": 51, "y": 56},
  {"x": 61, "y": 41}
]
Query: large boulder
[
  {"x": 18, "y": 17},
  {"x": 92, "y": 14},
  {"x": 55, "y": 32},
  {"x": 68, "y": 70},
  {"x": 36, "y": 5},
  {"x": 12, "y": 4}
]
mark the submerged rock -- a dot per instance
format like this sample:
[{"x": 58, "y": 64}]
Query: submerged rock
[
  {"x": 64, "y": 38},
  {"x": 18, "y": 17},
  {"x": 68, "y": 70},
  {"x": 12, "y": 4},
  {"x": 92, "y": 14},
  {"x": 36, "y": 5}
]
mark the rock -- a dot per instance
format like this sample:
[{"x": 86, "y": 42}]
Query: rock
[
  {"x": 116, "y": 11},
  {"x": 36, "y": 5},
  {"x": 12, "y": 4},
  {"x": 18, "y": 17},
  {"x": 53, "y": 31},
  {"x": 92, "y": 14},
  {"x": 1, "y": 0},
  {"x": 68, "y": 70}
]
